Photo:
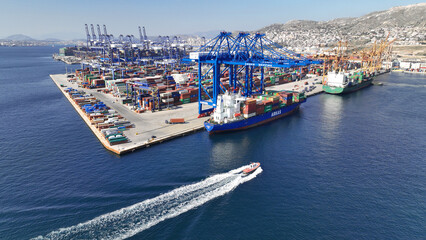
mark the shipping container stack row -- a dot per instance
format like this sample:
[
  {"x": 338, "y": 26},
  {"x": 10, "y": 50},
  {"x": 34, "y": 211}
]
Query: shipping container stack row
[
  {"x": 318, "y": 71},
  {"x": 138, "y": 83},
  {"x": 168, "y": 98},
  {"x": 94, "y": 79},
  {"x": 271, "y": 100},
  {"x": 106, "y": 120},
  {"x": 177, "y": 94},
  {"x": 359, "y": 76}
]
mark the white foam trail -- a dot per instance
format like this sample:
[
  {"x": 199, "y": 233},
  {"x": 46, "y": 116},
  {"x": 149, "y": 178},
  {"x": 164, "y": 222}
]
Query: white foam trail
[
  {"x": 405, "y": 85},
  {"x": 127, "y": 222}
]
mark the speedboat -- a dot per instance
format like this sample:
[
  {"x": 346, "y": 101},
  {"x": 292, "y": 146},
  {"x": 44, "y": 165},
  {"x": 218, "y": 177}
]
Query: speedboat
[{"x": 252, "y": 167}]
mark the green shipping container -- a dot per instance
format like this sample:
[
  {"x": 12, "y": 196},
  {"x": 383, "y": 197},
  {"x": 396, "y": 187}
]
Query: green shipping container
[
  {"x": 268, "y": 108},
  {"x": 127, "y": 101},
  {"x": 185, "y": 100}
]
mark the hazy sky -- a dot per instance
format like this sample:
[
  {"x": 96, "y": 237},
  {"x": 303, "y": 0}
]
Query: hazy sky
[{"x": 65, "y": 19}]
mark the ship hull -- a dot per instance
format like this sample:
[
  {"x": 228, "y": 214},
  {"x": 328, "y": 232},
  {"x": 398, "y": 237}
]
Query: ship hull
[
  {"x": 253, "y": 121},
  {"x": 344, "y": 90}
]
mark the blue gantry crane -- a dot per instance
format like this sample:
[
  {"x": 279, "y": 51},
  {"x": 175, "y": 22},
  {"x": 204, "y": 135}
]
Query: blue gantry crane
[
  {"x": 88, "y": 36},
  {"x": 93, "y": 34},
  {"x": 100, "y": 36},
  {"x": 125, "y": 49},
  {"x": 236, "y": 55}
]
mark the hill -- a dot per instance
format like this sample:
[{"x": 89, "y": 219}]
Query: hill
[
  {"x": 406, "y": 23},
  {"x": 19, "y": 37}
]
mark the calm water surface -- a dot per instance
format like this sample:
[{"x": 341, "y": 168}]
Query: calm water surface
[{"x": 343, "y": 167}]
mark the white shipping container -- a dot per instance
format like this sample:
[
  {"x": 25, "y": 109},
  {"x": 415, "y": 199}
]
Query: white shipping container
[
  {"x": 405, "y": 65},
  {"x": 196, "y": 55},
  {"x": 116, "y": 45},
  {"x": 249, "y": 115},
  {"x": 165, "y": 100},
  {"x": 415, "y": 65},
  {"x": 115, "y": 137},
  {"x": 166, "y": 94},
  {"x": 154, "y": 77},
  {"x": 180, "y": 78}
]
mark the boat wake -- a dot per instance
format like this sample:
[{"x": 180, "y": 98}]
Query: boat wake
[
  {"x": 128, "y": 221},
  {"x": 406, "y": 85}
]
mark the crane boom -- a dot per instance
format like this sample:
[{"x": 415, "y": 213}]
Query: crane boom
[
  {"x": 105, "y": 31},
  {"x": 100, "y": 37},
  {"x": 93, "y": 32},
  {"x": 140, "y": 35},
  {"x": 130, "y": 38},
  {"x": 144, "y": 34},
  {"x": 87, "y": 34}
]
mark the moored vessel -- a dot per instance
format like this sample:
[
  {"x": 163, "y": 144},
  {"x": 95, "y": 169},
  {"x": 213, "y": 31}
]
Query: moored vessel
[
  {"x": 234, "y": 112},
  {"x": 341, "y": 82}
]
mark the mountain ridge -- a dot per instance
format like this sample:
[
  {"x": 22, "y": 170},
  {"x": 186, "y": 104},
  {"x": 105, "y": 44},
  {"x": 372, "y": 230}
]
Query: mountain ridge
[
  {"x": 406, "y": 23},
  {"x": 19, "y": 37}
]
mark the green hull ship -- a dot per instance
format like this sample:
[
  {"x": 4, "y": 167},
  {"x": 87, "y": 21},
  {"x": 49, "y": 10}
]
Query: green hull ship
[{"x": 341, "y": 83}]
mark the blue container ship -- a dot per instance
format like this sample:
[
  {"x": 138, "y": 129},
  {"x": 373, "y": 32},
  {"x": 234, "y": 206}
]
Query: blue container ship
[{"x": 234, "y": 112}]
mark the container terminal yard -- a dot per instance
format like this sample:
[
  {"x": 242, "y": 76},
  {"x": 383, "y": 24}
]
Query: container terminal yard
[
  {"x": 133, "y": 94},
  {"x": 149, "y": 124}
]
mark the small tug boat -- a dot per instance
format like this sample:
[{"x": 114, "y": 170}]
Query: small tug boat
[{"x": 251, "y": 168}]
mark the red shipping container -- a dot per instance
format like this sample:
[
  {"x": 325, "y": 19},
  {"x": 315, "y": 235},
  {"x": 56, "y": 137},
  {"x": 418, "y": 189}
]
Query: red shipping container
[
  {"x": 250, "y": 107},
  {"x": 247, "y": 111},
  {"x": 267, "y": 102},
  {"x": 185, "y": 95},
  {"x": 260, "y": 108}
]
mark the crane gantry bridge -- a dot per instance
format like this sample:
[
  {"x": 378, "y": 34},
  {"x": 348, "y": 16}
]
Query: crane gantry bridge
[{"x": 243, "y": 54}]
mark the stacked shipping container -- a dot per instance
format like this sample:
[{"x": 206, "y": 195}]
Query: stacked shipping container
[{"x": 142, "y": 81}]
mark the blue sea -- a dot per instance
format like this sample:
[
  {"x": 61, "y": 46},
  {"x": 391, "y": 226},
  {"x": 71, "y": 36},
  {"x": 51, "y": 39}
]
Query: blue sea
[{"x": 343, "y": 167}]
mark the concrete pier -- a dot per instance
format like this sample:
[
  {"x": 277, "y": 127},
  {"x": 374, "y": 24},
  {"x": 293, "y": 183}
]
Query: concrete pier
[
  {"x": 150, "y": 124},
  {"x": 300, "y": 85},
  {"x": 146, "y": 124},
  {"x": 403, "y": 71}
]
